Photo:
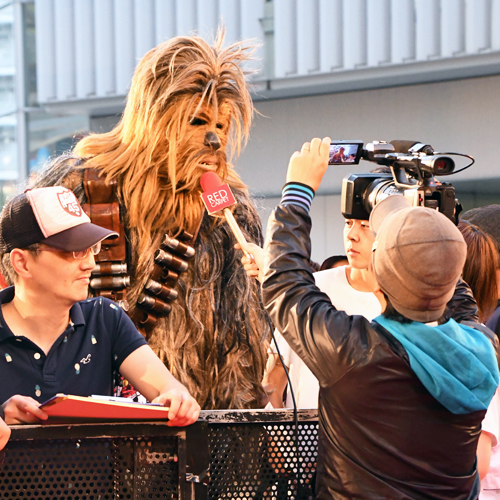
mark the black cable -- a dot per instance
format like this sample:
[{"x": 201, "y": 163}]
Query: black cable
[{"x": 295, "y": 415}]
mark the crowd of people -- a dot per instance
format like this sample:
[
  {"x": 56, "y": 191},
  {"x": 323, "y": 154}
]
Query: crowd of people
[
  {"x": 393, "y": 320},
  {"x": 386, "y": 339},
  {"x": 395, "y": 343}
]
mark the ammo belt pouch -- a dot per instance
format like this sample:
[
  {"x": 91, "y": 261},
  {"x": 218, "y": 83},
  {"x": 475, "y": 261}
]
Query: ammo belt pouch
[
  {"x": 171, "y": 259},
  {"x": 110, "y": 277}
]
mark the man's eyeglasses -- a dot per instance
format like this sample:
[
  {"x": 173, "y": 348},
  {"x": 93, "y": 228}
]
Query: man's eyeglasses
[{"x": 80, "y": 254}]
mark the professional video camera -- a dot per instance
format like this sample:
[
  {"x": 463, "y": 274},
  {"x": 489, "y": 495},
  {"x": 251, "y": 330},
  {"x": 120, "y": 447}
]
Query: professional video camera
[{"x": 413, "y": 166}]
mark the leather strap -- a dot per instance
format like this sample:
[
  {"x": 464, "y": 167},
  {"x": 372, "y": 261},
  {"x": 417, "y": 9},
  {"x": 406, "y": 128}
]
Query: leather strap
[{"x": 104, "y": 210}]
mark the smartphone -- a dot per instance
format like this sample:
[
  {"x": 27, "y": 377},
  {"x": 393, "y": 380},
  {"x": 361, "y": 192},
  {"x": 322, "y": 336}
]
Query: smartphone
[{"x": 345, "y": 152}]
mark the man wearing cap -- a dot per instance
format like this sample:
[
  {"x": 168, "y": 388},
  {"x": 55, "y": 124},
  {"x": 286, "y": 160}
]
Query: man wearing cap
[
  {"x": 401, "y": 397},
  {"x": 52, "y": 338}
]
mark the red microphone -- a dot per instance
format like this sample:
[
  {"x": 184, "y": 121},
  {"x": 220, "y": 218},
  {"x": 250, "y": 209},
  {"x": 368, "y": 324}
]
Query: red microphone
[{"x": 218, "y": 197}]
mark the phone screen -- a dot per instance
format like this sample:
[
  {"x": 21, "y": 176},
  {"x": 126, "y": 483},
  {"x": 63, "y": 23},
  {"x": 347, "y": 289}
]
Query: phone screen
[{"x": 345, "y": 152}]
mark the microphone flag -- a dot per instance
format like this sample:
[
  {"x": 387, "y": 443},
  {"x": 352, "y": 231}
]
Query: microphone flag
[{"x": 216, "y": 196}]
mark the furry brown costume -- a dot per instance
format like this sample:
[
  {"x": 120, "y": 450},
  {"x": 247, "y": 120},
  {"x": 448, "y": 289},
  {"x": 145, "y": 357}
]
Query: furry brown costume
[{"x": 187, "y": 105}]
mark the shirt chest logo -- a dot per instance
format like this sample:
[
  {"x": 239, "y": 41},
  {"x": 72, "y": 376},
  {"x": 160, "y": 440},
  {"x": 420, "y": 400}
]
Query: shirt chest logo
[{"x": 86, "y": 360}]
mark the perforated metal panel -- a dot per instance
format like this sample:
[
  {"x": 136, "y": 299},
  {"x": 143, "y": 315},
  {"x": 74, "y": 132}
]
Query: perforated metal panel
[
  {"x": 227, "y": 454},
  {"x": 74, "y": 469},
  {"x": 155, "y": 471},
  {"x": 262, "y": 461}
]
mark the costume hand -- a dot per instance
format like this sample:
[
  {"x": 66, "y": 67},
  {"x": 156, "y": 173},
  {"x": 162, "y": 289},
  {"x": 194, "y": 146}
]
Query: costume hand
[
  {"x": 23, "y": 410},
  {"x": 184, "y": 410},
  {"x": 4, "y": 434},
  {"x": 310, "y": 163},
  {"x": 254, "y": 266}
]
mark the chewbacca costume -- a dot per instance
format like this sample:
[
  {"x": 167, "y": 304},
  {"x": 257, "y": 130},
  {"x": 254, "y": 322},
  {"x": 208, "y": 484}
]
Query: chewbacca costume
[{"x": 187, "y": 105}]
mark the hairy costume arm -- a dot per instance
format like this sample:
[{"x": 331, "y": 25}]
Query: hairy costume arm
[{"x": 150, "y": 376}]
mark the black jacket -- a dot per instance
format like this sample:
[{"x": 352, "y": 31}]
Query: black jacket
[{"x": 382, "y": 434}]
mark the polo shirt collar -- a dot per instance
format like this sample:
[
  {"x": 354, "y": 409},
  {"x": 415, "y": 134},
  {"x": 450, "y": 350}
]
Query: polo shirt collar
[
  {"x": 76, "y": 315},
  {"x": 6, "y": 296}
]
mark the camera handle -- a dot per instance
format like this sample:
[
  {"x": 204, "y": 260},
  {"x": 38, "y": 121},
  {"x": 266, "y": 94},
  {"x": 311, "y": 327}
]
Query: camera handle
[{"x": 400, "y": 173}]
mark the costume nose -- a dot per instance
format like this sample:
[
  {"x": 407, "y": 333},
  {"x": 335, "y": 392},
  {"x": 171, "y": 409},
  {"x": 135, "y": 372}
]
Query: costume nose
[{"x": 212, "y": 140}]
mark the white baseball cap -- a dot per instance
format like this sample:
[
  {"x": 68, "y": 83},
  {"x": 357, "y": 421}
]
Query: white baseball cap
[{"x": 49, "y": 215}]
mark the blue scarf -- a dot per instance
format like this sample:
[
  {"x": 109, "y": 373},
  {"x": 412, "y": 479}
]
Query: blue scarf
[{"x": 455, "y": 363}]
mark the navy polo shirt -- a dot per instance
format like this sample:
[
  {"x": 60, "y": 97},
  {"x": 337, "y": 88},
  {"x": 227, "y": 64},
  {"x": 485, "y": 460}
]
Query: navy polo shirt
[{"x": 81, "y": 361}]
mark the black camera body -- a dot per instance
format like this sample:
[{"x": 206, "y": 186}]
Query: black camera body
[
  {"x": 361, "y": 192},
  {"x": 410, "y": 173}
]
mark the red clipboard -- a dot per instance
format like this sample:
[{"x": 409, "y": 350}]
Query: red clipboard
[{"x": 85, "y": 408}]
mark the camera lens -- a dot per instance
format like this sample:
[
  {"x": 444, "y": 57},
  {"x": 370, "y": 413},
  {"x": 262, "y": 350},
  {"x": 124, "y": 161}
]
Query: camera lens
[{"x": 377, "y": 191}]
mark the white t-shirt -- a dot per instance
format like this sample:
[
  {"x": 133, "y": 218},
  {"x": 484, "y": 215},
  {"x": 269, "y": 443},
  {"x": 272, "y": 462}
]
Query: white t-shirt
[
  {"x": 490, "y": 485},
  {"x": 344, "y": 297}
]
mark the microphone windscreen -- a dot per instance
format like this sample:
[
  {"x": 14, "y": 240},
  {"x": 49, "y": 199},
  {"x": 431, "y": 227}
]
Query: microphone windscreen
[
  {"x": 210, "y": 181},
  {"x": 403, "y": 146}
]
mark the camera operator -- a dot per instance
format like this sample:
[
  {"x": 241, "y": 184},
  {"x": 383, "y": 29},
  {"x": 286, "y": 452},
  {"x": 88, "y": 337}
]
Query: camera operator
[
  {"x": 350, "y": 289},
  {"x": 401, "y": 400}
]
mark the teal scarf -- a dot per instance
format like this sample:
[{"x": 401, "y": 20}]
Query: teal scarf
[{"x": 455, "y": 363}]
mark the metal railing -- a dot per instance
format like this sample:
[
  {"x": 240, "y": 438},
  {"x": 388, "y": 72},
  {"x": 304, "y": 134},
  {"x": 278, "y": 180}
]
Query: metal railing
[{"x": 226, "y": 454}]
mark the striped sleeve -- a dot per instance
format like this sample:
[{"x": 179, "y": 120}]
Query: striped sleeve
[{"x": 296, "y": 193}]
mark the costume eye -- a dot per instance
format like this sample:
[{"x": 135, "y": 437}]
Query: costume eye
[{"x": 198, "y": 121}]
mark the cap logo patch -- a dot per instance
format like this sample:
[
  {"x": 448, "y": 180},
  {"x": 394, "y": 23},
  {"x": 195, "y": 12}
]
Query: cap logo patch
[{"x": 69, "y": 203}]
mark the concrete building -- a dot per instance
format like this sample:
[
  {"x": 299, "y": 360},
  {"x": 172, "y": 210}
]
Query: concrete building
[{"x": 427, "y": 70}]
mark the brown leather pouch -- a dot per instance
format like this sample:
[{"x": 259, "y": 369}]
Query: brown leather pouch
[
  {"x": 97, "y": 189},
  {"x": 104, "y": 210}
]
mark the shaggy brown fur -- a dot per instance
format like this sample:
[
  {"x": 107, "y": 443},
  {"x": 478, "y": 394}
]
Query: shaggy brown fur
[{"x": 183, "y": 92}]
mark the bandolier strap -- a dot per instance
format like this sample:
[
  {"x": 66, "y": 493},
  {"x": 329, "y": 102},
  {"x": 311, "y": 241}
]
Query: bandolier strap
[{"x": 110, "y": 277}]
